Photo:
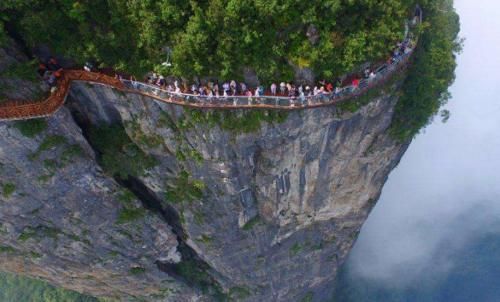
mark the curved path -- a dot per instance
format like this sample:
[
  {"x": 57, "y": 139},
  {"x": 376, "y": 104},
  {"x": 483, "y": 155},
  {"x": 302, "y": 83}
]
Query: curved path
[{"x": 19, "y": 110}]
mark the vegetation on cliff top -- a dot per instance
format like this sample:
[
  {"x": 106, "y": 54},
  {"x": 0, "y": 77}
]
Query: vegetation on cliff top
[
  {"x": 221, "y": 38},
  {"x": 425, "y": 88},
  {"x": 213, "y": 38}
]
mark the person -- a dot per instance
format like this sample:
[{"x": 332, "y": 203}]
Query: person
[
  {"x": 282, "y": 88},
  {"x": 273, "y": 89},
  {"x": 408, "y": 49},
  {"x": 291, "y": 92},
  {"x": 243, "y": 88},
  {"x": 366, "y": 73},
  {"x": 161, "y": 81},
  {"x": 257, "y": 92},
  {"x": 329, "y": 87},
  {"x": 194, "y": 89},
  {"x": 315, "y": 90},
  {"x": 154, "y": 78},
  {"x": 302, "y": 95},
  {"x": 53, "y": 65},
  {"x": 87, "y": 67},
  {"x": 42, "y": 69},
  {"x": 355, "y": 83},
  {"x": 226, "y": 88},
  {"x": 338, "y": 90},
  {"x": 308, "y": 91},
  {"x": 233, "y": 87},
  {"x": 52, "y": 80},
  {"x": 133, "y": 81},
  {"x": 216, "y": 89}
]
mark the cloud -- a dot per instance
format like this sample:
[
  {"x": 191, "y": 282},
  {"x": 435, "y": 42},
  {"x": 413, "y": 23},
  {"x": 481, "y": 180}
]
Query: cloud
[{"x": 446, "y": 191}]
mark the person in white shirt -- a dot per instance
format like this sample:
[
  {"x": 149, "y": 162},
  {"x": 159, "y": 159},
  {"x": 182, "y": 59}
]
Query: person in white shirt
[{"x": 273, "y": 89}]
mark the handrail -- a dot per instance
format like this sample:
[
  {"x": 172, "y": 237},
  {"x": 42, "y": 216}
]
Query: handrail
[
  {"x": 266, "y": 101},
  {"x": 20, "y": 110}
]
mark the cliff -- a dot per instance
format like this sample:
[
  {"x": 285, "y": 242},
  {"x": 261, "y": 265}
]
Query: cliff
[{"x": 209, "y": 203}]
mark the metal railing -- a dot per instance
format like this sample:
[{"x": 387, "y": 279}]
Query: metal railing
[{"x": 381, "y": 74}]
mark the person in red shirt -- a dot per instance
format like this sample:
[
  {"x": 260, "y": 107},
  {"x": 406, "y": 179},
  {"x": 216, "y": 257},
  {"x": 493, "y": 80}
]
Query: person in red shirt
[
  {"x": 355, "y": 83},
  {"x": 329, "y": 87}
]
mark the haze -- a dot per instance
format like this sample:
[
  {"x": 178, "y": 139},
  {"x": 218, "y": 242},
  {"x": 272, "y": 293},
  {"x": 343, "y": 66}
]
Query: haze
[{"x": 446, "y": 191}]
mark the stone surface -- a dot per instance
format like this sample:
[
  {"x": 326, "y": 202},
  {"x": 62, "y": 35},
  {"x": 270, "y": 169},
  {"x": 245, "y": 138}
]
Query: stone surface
[
  {"x": 61, "y": 223},
  {"x": 281, "y": 206},
  {"x": 306, "y": 186}
]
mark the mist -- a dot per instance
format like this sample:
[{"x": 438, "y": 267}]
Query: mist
[{"x": 446, "y": 191}]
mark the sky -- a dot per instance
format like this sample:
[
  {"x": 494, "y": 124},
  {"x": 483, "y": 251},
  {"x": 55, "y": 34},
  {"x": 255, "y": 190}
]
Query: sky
[{"x": 446, "y": 191}]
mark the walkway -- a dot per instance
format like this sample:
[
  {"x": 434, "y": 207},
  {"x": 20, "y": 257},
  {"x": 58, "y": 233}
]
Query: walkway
[{"x": 21, "y": 110}]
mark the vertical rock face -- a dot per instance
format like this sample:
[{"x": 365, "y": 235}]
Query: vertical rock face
[
  {"x": 265, "y": 215},
  {"x": 281, "y": 206},
  {"x": 65, "y": 221}
]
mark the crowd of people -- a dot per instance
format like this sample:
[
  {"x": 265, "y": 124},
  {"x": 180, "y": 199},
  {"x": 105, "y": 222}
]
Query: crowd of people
[
  {"x": 232, "y": 88},
  {"x": 50, "y": 71}
]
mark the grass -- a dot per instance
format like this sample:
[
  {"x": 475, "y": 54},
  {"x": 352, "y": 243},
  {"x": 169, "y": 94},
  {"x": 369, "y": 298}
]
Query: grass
[
  {"x": 118, "y": 155},
  {"x": 127, "y": 215},
  {"x": 35, "y": 255},
  {"x": 206, "y": 239},
  {"x": 27, "y": 234},
  {"x": 239, "y": 293},
  {"x": 71, "y": 152},
  {"x": 308, "y": 297},
  {"x": 184, "y": 189},
  {"x": 137, "y": 270},
  {"x": 8, "y": 189},
  {"x": 49, "y": 142},
  {"x": 251, "y": 223},
  {"x": 126, "y": 197},
  {"x": 295, "y": 249},
  {"x": 7, "y": 249},
  {"x": 31, "y": 128},
  {"x": 39, "y": 232},
  {"x": 248, "y": 121}
]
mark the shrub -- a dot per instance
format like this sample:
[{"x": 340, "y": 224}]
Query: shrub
[
  {"x": 295, "y": 249},
  {"x": 129, "y": 214},
  {"x": 118, "y": 155},
  {"x": 185, "y": 189},
  {"x": 137, "y": 270},
  {"x": 49, "y": 142},
  {"x": 251, "y": 223},
  {"x": 8, "y": 189},
  {"x": 425, "y": 89},
  {"x": 31, "y": 128}
]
